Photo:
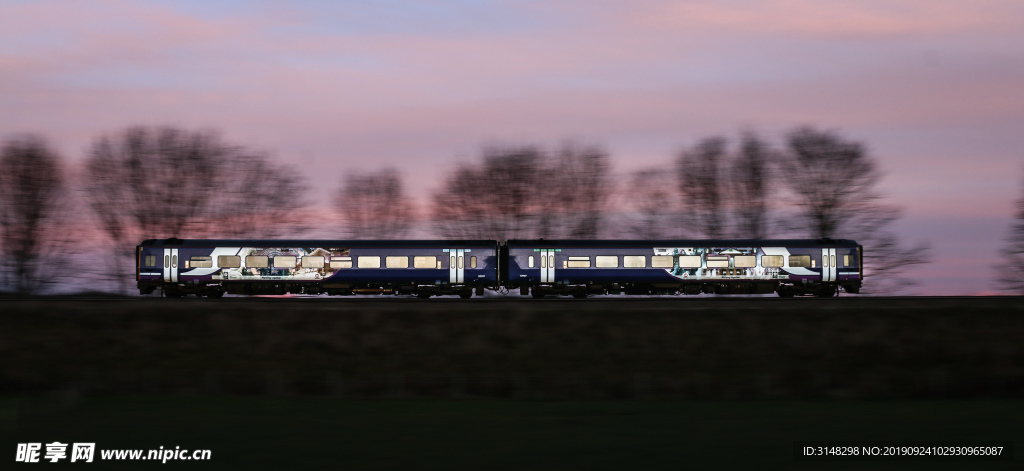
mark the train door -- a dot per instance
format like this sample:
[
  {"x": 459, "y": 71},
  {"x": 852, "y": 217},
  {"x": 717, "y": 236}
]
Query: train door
[
  {"x": 547, "y": 265},
  {"x": 828, "y": 264},
  {"x": 456, "y": 265},
  {"x": 171, "y": 265}
]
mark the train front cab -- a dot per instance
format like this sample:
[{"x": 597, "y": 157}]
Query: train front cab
[
  {"x": 155, "y": 267},
  {"x": 827, "y": 268}
]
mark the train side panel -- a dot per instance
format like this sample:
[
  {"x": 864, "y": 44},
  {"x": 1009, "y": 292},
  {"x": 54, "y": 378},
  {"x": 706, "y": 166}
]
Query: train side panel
[
  {"x": 788, "y": 267},
  {"x": 334, "y": 267}
]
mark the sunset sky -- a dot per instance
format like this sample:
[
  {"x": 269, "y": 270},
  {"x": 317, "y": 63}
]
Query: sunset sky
[{"x": 935, "y": 89}]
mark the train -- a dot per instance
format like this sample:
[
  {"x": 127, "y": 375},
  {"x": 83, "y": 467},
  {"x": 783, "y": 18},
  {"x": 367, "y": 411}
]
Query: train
[{"x": 538, "y": 268}]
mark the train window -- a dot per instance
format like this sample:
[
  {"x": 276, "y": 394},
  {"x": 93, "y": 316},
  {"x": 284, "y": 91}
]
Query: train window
[
  {"x": 771, "y": 261},
  {"x": 813, "y": 261},
  {"x": 461, "y": 263},
  {"x": 257, "y": 261},
  {"x": 284, "y": 261},
  {"x": 167, "y": 260},
  {"x": 720, "y": 261},
  {"x": 229, "y": 261},
  {"x": 150, "y": 260},
  {"x": 341, "y": 262},
  {"x": 607, "y": 261},
  {"x": 543, "y": 261},
  {"x": 472, "y": 262},
  {"x": 551, "y": 261},
  {"x": 661, "y": 261},
  {"x": 800, "y": 261},
  {"x": 368, "y": 262},
  {"x": 313, "y": 261},
  {"x": 689, "y": 261},
  {"x": 846, "y": 260},
  {"x": 745, "y": 261},
  {"x": 634, "y": 261},
  {"x": 397, "y": 262},
  {"x": 578, "y": 262},
  {"x": 531, "y": 261},
  {"x": 200, "y": 262},
  {"x": 424, "y": 262}
]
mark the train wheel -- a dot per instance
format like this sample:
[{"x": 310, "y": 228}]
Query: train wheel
[
  {"x": 537, "y": 293},
  {"x": 465, "y": 294},
  {"x": 579, "y": 295}
]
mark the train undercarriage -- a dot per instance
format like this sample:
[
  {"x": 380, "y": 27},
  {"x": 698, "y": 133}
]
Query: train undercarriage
[{"x": 217, "y": 290}]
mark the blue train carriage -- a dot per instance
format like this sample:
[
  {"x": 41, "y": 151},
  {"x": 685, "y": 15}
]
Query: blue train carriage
[
  {"x": 581, "y": 268},
  {"x": 335, "y": 267}
]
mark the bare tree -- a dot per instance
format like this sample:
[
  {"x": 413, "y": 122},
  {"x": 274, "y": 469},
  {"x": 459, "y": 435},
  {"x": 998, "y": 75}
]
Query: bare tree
[
  {"x": 1012, "y": 277},
  {"x": 834, "y": 184},
  {"x": 702, "y": 187},
  {"x": 750, "y": 189},
  {"x": 261, "y": 199},
  {"x": 166, "y": 182},
  {"x": 523, "y": 192},
  {"x": 714, "y": 192},
  {"x": 833, "y": 179},
  {"x": 32, "y": 190},
  {"x": 372, "y": 205},
  {"x": 154, "y": 183},
  {"x": 500, "y": 198},
  {"x": 577, "y": 193},
  {"x": 652, "y": 199}
]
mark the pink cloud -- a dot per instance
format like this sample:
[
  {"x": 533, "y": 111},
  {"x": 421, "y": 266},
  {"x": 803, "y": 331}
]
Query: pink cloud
[
  {"x": 835, "y": 19},
  {"x": 615, "y": 74}
]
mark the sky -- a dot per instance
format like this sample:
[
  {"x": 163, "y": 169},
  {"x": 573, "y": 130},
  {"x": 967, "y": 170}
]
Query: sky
[{"x": 933, "y": 88}]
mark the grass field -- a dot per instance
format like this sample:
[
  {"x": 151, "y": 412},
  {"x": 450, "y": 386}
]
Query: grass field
[
  {"x": 677, "y": 349},
  {"x": 653, "y": 384}
]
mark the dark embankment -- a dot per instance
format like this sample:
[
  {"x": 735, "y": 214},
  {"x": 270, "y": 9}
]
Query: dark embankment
[{"x": 698, "y": 348}]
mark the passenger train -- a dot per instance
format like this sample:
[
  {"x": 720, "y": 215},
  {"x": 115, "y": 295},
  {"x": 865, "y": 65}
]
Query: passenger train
[{"x": 426, "y": 268}]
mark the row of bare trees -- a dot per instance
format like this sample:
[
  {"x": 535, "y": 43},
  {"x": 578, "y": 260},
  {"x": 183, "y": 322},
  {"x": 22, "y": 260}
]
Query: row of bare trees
[
  {"x": 164, "y": 182},
  {"x": 145, "y": 183},
  {"x": 711, "y": 191},
  {"x": 513, "y": 192},
  {"x": 818, "y": 185},
  {"x": 137, "y": 184},
  {"x": 525, "y": 192}
]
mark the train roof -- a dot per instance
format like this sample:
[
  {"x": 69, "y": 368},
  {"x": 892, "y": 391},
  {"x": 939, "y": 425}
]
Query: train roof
[
  {"x": 312, "y": 243},
  {"x": 625, "y": 243},
  {"x": 685, "y": 243}
]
